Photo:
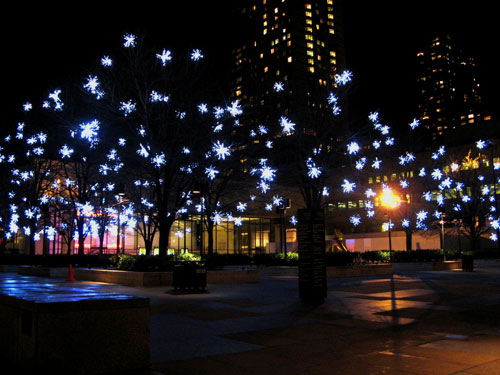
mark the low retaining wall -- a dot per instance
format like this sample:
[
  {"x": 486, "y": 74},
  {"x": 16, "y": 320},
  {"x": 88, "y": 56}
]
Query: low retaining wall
[
  {"x": 361, "y": 270},
  {"x": 427, "y": 266},
  {"x": 145, "y": 279}
]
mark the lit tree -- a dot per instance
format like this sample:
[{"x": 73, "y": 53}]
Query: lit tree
[
  {"x": 155, "y": 100},
  {"x": 31, "y": 173},
  {"x": 303, "y": 146},
  {"x": 465, "y": 187}
]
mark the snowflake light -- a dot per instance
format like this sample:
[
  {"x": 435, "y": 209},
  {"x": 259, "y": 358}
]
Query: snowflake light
[
  {"x": 202, "y": 108},
  {"x": 106, "y": 61},
  {"x": 92, "y": 86},
  {"x": 313, "y": 170},
  {"x": 480, "y": 144},
  {"x": 279, "y": 86},
  {"x": 287, "y": 125},
  {"x": 159, "y": 160},
  {"x": 437, "y": 174},
  {"x": 293, "y": 220},
  {"x": 196, "y": 55},
  {"x": 376, "y": 163},
  {"x": 414, "y": 124},
  {"x": 235, "y": 109},
  {"x": 165, "y": 56},
  {"x": 129, "y": 40},
  {"x": 344, "y": 78},
  {"x": 355, "y": 220},
  {"x": 348, "y": 187},
  {"x": 89, "y": 130},
  {"x": 156, "y": 97},
  {"x": 211, "y": 172},
  {"x": 332, "y": 99},
  {"x": 422, "y": 215},
  {"x": 221, "y": 150},
  {"x": 127, "y": 107},
  {"x": 263, "y": 186},
  {"x": 352, "y": 148},
  {"x": 27, "y": 107}
]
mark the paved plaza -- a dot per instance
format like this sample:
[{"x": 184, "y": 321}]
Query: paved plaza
[{"x": 445, "y": 322}]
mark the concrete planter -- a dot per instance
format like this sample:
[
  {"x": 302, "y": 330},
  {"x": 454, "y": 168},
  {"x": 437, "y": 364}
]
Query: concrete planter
[
  {"x": 142, "y": 279},
  {"x": 427, "y": 266},
  {"x": 358, "y": 270}
]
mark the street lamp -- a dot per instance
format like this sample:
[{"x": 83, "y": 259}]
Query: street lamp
[
  {"x": 281, "y": 209},
  {"x": 441, "y": 221},
  {"x": 119, "y": 196},
  {"x": 492, "y": 146},
  {"x": 390, "y": 201}
]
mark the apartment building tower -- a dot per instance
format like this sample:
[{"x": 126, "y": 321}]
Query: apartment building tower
[
  {"x": 448, "y": 91},
  {"x": 296, "y": 43}
]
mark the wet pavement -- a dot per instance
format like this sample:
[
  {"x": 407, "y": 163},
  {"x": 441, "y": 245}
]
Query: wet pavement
[{"x": 445, "y": 322}]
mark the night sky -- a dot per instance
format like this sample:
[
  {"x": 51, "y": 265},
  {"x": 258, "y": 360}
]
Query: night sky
[{"x": 42, "y": 44}]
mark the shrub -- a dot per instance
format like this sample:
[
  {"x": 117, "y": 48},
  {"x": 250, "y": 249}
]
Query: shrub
[
  {"x": 375, "y": 256},
  {"x": 276, "y": 259},
  {"x": 124, "y": 261},
  {"x": 188, "y": 256},
  {"x": 341, "y": 258}
]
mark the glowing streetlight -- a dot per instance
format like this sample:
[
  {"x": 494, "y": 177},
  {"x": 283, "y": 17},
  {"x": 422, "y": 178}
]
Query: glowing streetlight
[{"x": 390, "y": 201}]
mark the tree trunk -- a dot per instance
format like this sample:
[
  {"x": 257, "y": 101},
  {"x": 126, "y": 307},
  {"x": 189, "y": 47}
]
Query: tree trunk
[
  {"x": 210, "y": 230},
  {"x": 148, "y": 243},
  {"x": 409, "y": 236},
  {"x": 32, "y": 244},
  {"x": 164, "y": 229},
  {"x": 81, "y": 237},
  {"x": 101, "y": 241}
]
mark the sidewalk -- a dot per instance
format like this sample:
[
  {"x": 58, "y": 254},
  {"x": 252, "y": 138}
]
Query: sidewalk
[
  {"x": 445, "y": 322},
  {"x": 419, "y": 323}
]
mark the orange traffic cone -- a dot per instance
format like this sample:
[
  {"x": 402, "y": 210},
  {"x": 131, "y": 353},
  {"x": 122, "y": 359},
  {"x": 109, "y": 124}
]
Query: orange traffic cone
[{"x": 70, "y": 273}]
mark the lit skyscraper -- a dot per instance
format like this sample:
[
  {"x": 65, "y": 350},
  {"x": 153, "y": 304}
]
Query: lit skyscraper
[
  {"x": 298, "y": 44},
  {"x": 448, "y": 91}
]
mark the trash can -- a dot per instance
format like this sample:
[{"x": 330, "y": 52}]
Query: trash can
[
  {"x": 189, "y": 275},
  {"x": 468, "y": 261}
]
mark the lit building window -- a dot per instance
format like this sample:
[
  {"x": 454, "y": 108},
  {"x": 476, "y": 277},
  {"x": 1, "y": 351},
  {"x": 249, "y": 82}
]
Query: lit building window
[
  {"x": 308, "y": 6},
  {"x": 309, "y": 14},
  {"x": 289, "y": 59},
  {"x": 311, "y": 69},
  {"x": 309, "y": 37},
  {"x": 331, "y": 31}
]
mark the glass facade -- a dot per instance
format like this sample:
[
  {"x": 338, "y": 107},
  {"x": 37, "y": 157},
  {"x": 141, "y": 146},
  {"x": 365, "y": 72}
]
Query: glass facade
[{"x": 253, "y": 236}]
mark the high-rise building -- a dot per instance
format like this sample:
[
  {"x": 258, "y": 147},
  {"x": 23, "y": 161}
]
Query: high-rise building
[
  {"x": 448, "y": 91},
  {"x": 297, "y": 43}
]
